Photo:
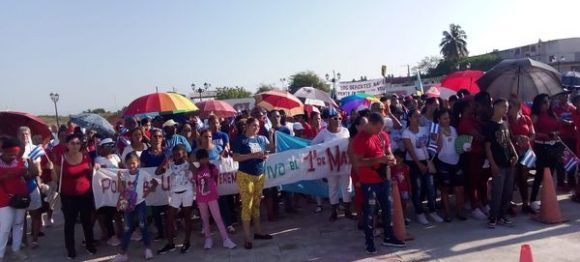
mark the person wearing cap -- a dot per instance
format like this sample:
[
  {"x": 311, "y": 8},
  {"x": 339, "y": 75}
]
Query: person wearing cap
[
  {"x": 564, "y": 109},
  {"x": 302, "y": 120},
  {"x": 108, "y": 159},
  {"x": 335, "y": 131},
  {"x": 298, "y": 130},
  {"x": 172, "y": 138}
]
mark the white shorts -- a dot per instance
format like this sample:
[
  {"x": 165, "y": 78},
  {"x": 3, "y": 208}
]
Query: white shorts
[
  {"x": 184, "y": 199},
  {"x": 35, "y": 200}
]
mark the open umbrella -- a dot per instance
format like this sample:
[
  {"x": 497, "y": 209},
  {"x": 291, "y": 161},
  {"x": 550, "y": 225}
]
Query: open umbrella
[
  {"x": 280, "y": 100},
  {"x": 10, "y": 121},
  {"x": 94, "y": 122},
  {"x": 219, "y": 108},
  {"x": 159, "y": 104},
  {"x": 571, "y": 79},
  {"x": 523, "y": 78},
  {"x": 352, "y": 102},
  {"x": 315, "y": 94},
  {"x": 462, "y": 80},
  {"x": 433, "y": 91}
]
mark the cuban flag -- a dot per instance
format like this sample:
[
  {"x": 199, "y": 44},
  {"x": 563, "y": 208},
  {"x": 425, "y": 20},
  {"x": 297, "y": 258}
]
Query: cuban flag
[
  {"x": 570, "y": 160},
  {"x": 124, "y": 141},
  {"x": 529, "y": 159},
  {"x": 433, "y": 132},
  {"x": 36, "y": 152}
]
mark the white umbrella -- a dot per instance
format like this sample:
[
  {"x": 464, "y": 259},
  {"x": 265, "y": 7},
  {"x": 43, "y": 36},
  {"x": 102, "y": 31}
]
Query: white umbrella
[{"x": 313, "y": 93}]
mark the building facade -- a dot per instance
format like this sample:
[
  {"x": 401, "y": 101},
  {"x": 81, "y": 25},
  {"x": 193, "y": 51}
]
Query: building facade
[{"x": 562, "y": 54}]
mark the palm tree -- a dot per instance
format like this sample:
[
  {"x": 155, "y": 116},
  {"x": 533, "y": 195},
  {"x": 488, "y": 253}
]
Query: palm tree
[{"x": 453, "y": 45}]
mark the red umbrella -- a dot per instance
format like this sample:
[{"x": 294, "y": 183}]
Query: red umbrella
[
  {"x": 462, "y": 80},
  {"x": 11, "y": 121},
  {"x": 219, "y": 108},
  {"x": 280, "y": 100}
]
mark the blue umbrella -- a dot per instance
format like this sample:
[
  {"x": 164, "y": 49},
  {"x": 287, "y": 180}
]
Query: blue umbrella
[
  {"x": 94, "y": 122},
  {"x": 571, "y": 79}
]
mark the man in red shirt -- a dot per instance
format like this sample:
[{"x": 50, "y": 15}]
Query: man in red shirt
[
  {"x": 314, "y": 126},
  {"x": 372, "y": 157}
]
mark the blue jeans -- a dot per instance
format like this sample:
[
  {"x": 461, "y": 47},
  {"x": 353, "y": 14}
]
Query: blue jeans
[
  {"x": 422, "y": 184},
  {"x": 139, "y": 215},
  {"x": 373, "y": 193}
]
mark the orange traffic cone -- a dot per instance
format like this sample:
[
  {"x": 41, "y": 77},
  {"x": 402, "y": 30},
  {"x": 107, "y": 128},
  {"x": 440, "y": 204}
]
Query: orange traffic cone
[
  {"x": 526, "y": 254},
  {"x": 549, "y": 208},
  {"x": 397, "y": 216}
]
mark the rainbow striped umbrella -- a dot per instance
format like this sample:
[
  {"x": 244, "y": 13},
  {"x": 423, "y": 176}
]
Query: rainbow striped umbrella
[
  {"x": 159, "y": 104},
  {"x": 349, "y": 103}
]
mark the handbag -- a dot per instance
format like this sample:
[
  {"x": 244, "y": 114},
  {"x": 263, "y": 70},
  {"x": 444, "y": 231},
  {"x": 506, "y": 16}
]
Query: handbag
[
  {"x": 18, "y": 201},
  {"x": 128, "y": 199}
]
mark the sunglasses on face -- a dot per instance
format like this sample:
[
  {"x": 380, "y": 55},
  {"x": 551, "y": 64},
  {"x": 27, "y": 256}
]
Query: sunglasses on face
[{"x": 336, "y": 118}]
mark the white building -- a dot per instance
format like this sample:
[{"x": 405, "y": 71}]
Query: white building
[{"x": 562, "y": 54}]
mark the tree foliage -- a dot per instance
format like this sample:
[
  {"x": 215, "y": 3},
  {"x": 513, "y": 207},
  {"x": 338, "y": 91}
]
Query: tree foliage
[
  {"x": 427, "y": 64},
  {"x": 232, "y": 93},
  {"x": 307, "y": 78},
  {"x": 264, "y": 88},
  {"x": 96, "y": 111},
  {"x": 454, "y": 45},
  {"x": 482, "y": 62}
]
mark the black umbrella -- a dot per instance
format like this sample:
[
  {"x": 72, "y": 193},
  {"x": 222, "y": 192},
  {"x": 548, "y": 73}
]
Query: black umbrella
[
  {"x": 94, "y": 122},
  {"x": 524, "y": 78},
  {"x": 571, "y": 79}
]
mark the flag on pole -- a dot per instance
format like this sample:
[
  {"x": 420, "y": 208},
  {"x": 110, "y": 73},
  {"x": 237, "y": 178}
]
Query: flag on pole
[
  {"x": 36, "y": 152},
  {"x": 570, "y": 160},
  {"x": 419, "y": 83},
  {"x": 433, "y": 133},
  {"x": 529, "y": 159}
]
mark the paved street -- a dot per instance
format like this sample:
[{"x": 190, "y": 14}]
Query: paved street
[{"x": 309, "y": 237}]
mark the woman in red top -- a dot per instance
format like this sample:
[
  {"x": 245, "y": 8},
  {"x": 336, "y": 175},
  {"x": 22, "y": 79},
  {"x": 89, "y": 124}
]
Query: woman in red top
[
  {"x": 12, "y": 173},
  {"x": 76, "y": 194},
  {"x": 547, "y": 144},
  {"x": 522, "y": 130}
]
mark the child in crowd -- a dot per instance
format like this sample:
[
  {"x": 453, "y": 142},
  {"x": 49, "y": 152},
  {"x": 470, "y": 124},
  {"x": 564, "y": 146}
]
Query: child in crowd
[
  {"x": 206, "y": 177},
  {"x": 181, "y": 197},
  {"x": 400, "y": 176},
  {"x": 502, "y": 157},
  {"x": 447, "y": 163},
  {"x": 142, "y": 183}
]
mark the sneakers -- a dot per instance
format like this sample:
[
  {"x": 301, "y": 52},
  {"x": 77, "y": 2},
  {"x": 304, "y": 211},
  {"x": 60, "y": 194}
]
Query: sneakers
[
  {"x": 393, "y": 242},
  {"x": 47, "y": 222},
  {"x": 113, "y": 241},
  {"x": 19, "y": 255},
  {"x": 228, "y": 243},
  {"x": 506, "y": 222},
  {"x": 91, "y": 250},
  {"x": 208, "y": 243},
  {"x": 486, "y": 210},
  {"x": 185, "y": 247},
  {"x": 148, "y": 254},
  {"x": 492, "y": 222},
  {"x": 166, "y": 249},
  {"x": 422, "y": 219},
  {"x": 371, "y": 250},
  {"x": 318, "y": 209},
  {"x": 136, "y": 236},
  {"x": 435, "y": 217},
  {"x": 120, "y": 258},
  {"x": 477, "y": 214},
  {"x": 71, "y": 254}
]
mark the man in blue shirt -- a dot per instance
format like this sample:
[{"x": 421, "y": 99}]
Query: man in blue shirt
[
  {"x": 172, "y": 138},
  {"x": 219, "y": 138}
]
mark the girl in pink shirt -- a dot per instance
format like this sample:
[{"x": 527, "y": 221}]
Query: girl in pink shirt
[{"x": 206, "y": 177}]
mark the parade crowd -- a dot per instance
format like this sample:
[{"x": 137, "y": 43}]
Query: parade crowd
[{"x": 429, "y": 148}]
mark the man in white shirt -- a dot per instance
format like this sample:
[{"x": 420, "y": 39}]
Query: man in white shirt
[{"x": 335, "y": 131}]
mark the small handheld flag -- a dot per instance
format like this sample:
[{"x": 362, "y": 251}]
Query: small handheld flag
[
  {"x": 433, "y": 132},
  {"x": 529, "y": 159},
  {"x": 36, "y": 152}
]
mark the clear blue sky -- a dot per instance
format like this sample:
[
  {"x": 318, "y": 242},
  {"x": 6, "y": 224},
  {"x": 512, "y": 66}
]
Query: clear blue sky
[{"x": 106, "y": 53}]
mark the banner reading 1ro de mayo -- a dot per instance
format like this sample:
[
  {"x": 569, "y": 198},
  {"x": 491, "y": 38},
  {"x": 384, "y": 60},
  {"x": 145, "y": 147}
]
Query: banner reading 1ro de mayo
[{"x": 309, "y": 163}]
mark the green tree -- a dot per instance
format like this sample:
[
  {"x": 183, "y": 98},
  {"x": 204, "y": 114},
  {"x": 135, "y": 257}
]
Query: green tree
[
  {"x": 232, "y": 92},
  {"x": 307, "y": 78},
  {"x": 264, "y": 88},
  {"x": 96, "y": 111},
  {"x": 427, "y": 64},
  {"x": 454, "y": 45},
  {"x": 480, "y": 62}
]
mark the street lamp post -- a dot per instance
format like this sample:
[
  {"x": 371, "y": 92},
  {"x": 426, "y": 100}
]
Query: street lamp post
[
  {"x": 54, "y": 97},
  {"x": 284, "y": 80},
  {"x": 200, "y": 89},
  {"x": 335, "y": 78}
]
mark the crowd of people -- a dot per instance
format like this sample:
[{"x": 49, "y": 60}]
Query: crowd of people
[{"x": 427, "y": 146}]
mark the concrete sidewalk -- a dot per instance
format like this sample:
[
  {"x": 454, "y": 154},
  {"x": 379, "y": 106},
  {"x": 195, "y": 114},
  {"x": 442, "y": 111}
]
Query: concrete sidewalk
[{"x": 310, "y": 237}]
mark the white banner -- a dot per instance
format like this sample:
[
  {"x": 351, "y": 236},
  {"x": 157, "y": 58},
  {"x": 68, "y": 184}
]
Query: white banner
[
  {"x": 372, "y": 87},
  {"x": 310, "y": 163}
]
